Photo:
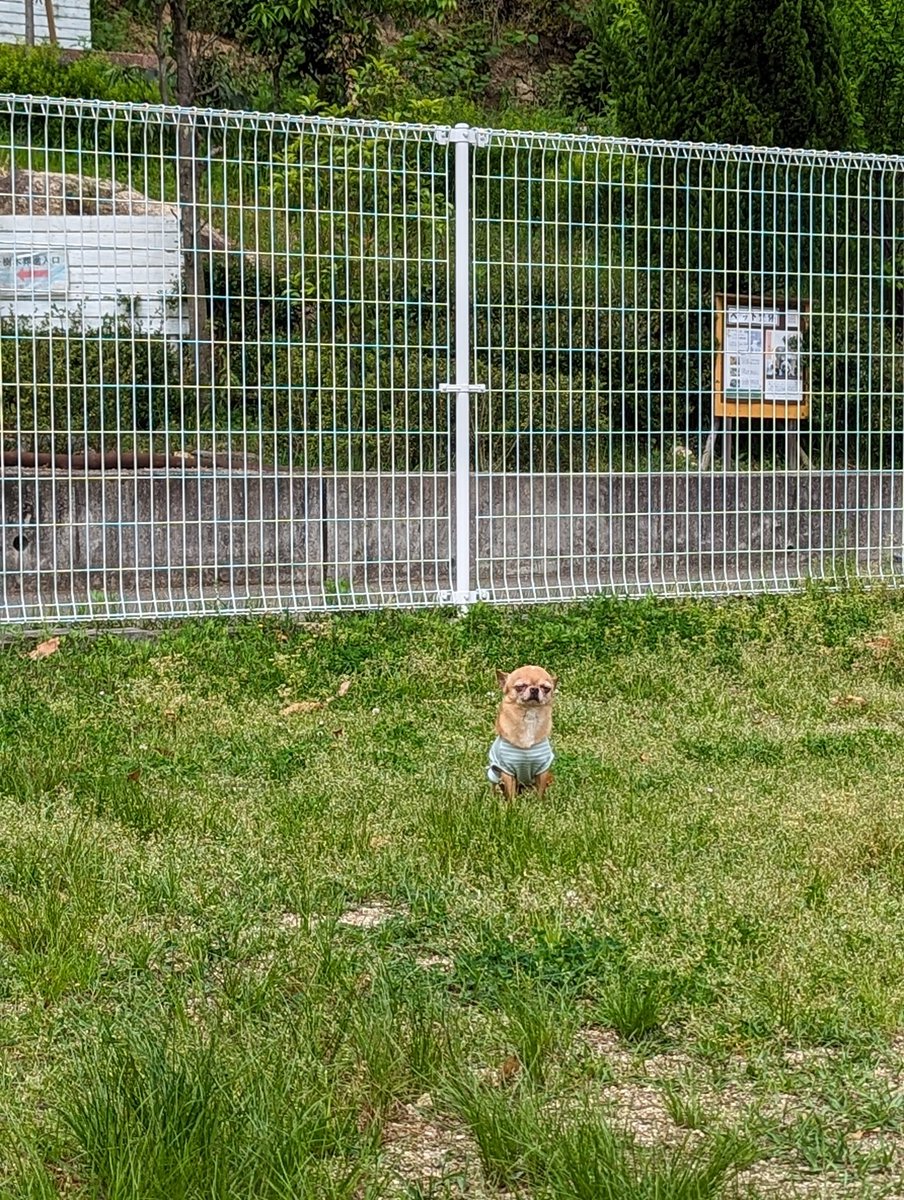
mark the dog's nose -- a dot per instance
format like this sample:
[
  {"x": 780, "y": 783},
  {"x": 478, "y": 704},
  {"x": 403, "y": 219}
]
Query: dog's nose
[{"x": 535, "y": 693}]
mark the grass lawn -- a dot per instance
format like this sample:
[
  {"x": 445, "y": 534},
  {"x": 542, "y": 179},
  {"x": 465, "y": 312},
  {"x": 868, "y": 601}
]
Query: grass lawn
[{"x": 266, "y": 933}]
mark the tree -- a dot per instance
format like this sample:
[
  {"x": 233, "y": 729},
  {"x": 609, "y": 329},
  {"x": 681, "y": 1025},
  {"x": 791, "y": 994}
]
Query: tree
[
  {"x": 319, "y": 40},
  {"x": 736, "y": 71},
  {"x": 313, "y": 38},
  {"x": 872, "y": 33}
]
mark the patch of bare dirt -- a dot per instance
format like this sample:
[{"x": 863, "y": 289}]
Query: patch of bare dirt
[
  {"x": 368, "y": 916},
  {"x": 640, "y": 1110},
  {"x": 774, "y": 1180},
  {"x": 667, "y": 1066},
  {"x": 441, "y": 961},
  {"x": 605, "y": 1043},
  {"x": 812, "y": 1056},
  {"x": 419, "y": 1148},
  {"x": 291, "y": 921}
]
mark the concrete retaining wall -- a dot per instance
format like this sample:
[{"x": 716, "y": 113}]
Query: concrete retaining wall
[
  {"x": 157, "y": 535},
  {"x": 215, "y": 534},
  {"x": 674, "y": 529}
]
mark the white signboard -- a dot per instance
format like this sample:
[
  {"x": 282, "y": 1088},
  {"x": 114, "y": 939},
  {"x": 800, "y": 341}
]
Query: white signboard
[
  {"x": 762, "y": 355},
  {"x": 783, "y": 375},
  {"x": 35, "y": 271}
]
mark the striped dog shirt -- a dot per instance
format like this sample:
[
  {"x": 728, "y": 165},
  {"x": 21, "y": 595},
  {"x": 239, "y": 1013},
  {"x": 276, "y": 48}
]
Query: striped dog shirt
[{"x": 525, "y": 765}]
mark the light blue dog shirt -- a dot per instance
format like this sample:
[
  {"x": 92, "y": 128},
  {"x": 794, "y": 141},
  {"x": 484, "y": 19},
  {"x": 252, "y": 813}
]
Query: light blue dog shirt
[{"x": 525, "y": 765}]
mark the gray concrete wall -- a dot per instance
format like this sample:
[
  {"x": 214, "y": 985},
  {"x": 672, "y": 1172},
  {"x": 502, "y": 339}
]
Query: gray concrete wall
[
  {"x": 672, "y": 529},
  {"x": 162, "y": 534},
  {"x": 143, "y": 532}
]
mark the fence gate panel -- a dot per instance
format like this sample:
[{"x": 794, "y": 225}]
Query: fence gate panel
[
  {"x": 222, "y": 339},
  {"x": 604, "y": 272}
]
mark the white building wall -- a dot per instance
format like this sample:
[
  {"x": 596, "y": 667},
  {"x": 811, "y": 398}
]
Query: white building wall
[{"x": 73, "y": 22}]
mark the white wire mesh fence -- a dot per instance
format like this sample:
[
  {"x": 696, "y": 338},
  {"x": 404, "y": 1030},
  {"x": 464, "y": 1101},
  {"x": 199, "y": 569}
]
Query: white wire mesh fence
[{"x": 252, "y": 362}]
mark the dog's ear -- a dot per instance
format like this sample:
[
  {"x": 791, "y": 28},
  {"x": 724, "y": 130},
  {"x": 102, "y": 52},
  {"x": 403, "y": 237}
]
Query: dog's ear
[
  {"x": 501, "y": 677},
  {"x": 555, "y": 681}
]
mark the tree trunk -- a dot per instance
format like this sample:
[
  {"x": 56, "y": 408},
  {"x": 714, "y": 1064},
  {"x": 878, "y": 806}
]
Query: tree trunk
[
  {"x": 160, "y": 47},
  {"x": 189, "y": 169}
]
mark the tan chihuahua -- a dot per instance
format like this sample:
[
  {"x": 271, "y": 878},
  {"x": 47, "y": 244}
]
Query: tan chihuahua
[{"x": 521, "y": 755}]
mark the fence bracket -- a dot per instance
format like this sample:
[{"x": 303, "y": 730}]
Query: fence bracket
[
  {"x": 447, "y": 135},
  {"x": 463, "y": 601}
]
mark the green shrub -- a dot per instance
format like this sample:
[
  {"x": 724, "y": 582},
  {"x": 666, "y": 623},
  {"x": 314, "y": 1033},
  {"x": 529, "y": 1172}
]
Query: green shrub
[
  {"x": 55, "y": 381},
  {"x": 42, "y": 71}
]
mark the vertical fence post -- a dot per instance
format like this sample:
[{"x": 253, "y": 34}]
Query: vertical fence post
[{"x": 462, "y": 137}]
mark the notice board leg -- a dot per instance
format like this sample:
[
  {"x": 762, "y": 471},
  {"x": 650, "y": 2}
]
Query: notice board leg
[{"x": 709, "y": 449}]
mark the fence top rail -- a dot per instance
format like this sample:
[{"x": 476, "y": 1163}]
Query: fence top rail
[{"x": 286, "y": 123}]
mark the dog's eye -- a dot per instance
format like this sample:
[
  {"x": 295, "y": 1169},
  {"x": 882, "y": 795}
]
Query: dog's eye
[{"x": 519, "y": 687}]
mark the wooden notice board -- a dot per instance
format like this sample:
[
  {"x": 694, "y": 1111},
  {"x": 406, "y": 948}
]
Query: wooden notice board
[{"x": 759, "y": 368}]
